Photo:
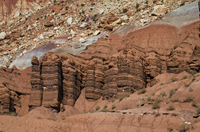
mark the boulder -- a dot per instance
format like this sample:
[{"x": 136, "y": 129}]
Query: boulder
[
  {"x": 2, "y": 35},
  {"x": 159, "y": 10}
]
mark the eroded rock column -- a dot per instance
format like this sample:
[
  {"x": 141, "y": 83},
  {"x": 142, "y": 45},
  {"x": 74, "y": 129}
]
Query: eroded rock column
[{"x": 37, "y": 90}]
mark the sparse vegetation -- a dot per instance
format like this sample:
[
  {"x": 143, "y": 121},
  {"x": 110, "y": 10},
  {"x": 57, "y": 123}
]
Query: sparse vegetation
[
  {"x": 54, "y": 1},
  {"x": 137, "y": 105},
  {"x": 63, "y": 117},
  {"x": 127, "y": 95},
  {"x": 125, "y": 10},
  {"x": 146, "y": 2},
  {"x": 92, "y": 111},
  {"x": 171, "y": 107},
  {"x": 198, "y": 110},
  {"x": 190, "y": 90},
  {"x": 187, "y": 85},
  {"x": 7, "y": 43},
  {"x": 158, "y": 100},
  {"x": 170, "y": 129},
  {"x": 172, "y": 92},
  {"x": 125, "y": 107},
  {"x": 66, "y": 8},
  {"x": 193, "y": 73},
  {"x": 97, "y": 108},
  {"x": 194, "y": 104},
  {"x": 184, "y": 128},
  {"x": 13, "y": 114},
  {"x": 149, "y": 98},
  {"x": 53, "y": 119},
  {"x": 113, "y": 100},
  {"x": 104, "y": 110},
  {"x": 20, "y": 19},
  {"x": 174, "y": 100},
  {"x": 39, "y": 117},
  {"x": 174, "y": 79},
  {"x": 113, "y": 106},
  {"x": 162, "y": 84},
  {"x": 155, "y": 106},
  {"x": 163, "y": 93},
  {"x": 182, "y": 4},
  {"x": 85, "y": 112},
  {"x": 82, "y": 4},
  {"x": 105, "y": 106},
  {"x": 142, "y": 91},
  {"x": 184, "y": 77},
  {"x": 188, "y": 99},
  {"x": 37, "y": 19},
  {"x": 137, "y": 5}
]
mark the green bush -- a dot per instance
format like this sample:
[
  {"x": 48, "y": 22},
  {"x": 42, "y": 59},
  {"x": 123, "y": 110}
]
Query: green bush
[
  {"x": 184, "y": 77},
  {"x": 174, "y": 100},
  {"x": 113, "y": 106},
  {"x": 125, "y": 10},
  {"x": 163, "y": 94},
  {"x": 194, "y": 104},
  {"x": 162, "y": 84},
  {"x": 39, "y": 117},
  {"x": 182, "y": 4},
  {"x": 170, "y": 129},
  {"x": 171, "y": 92},
  {"x": 198, "y": 110},
  {"x": 137, "y": 5},
  {"x": 105, "y": 106},
  {"x": 142, "y": 91},
  {"x": 174, "y": 79},
  {"x": 158, "y": 100},
  {"x": 97, "y": 108},
  {"x": 184, "y": 128},
  {"x": 171, "y": 107},
  {"x": 104, "y": 110},
  {"x": 188, "y": 99},
  {"x": 82, "y": 5},
  {"x": 149, "y": 99},
  {"x": 155, "y": 106}
]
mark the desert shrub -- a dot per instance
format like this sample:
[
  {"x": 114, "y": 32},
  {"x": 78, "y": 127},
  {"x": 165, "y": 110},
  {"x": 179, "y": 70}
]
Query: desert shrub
[
  {"x": 188, "y": 99},
  {"x": 149, "y": 98},
  {"x": 92, "y": 111},
  {"x": 137, "y": 5},
  {"x": 187, "y": 85},
  {"x": 113, "y": 106},
  {"x": 39, "y": 117},
  {"x": 37, "y": 19},
  {"x": 127, "y": 95},
  {"x": 125, "y": 10},
  {"x": 193, "y": 73},
  {"x": 105, "y": 106},
  {"x": 113, "y": 99},
  {"x": 190, "y": 90},
  {"x": 171, "y": 92},
  {"x": 63, "y": 117},
  {"x": 174, "y": 100},
  {"x": 53, "y": 119},
  {"x": 146, "y": 2},
  {"x": 182, "y": 4},
  {"x": 155, "y": 106},
  {"x": 104, "y": 110},
  {"x": 66, "y": 8},
  {"x": 184, "y": 77},
  {"x": 126, "y": 107},
  {"x": 174, "y": 79},
  {"x": 184, "y": 128},
  {"x": 82, "y": 4},
  {"x": 198, "y": 110},
  {"x": 194, "y": 104},
  {"x": 54, "y": 1},
  {"x": 163, "y": 94},
  {"x": 170, "y": 129},
  {"x": 85, "y": 112},
  {"x": 142, "y": 91},
  {"x": 162, "y": 84},
  {"x": 137, "y": 105},
  {"x": 97, "y": 108},
  {"x": 158, "y": 100},
  {"x": 13, "y": 114},
  {"x": 171, "y": 107}
]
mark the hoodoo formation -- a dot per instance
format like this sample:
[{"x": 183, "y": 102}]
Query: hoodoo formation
[{"x": 116, "y": 66}]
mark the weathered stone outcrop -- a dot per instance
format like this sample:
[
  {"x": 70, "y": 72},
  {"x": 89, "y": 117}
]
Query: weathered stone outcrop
[{"x": 4, "y": 100}]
